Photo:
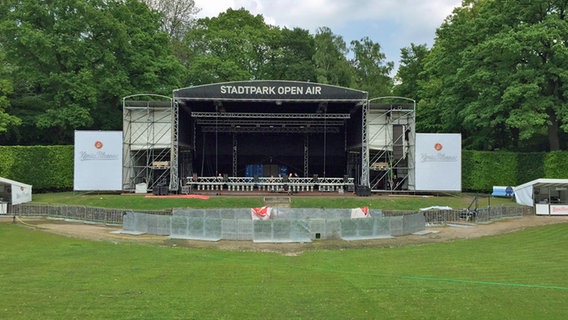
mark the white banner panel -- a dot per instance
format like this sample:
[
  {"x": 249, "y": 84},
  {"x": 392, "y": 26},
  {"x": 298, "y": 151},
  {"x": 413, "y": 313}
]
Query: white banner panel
[
  {"x": 438, "y": 162},
  {"x": 98, "y": 161},
  {"x": 21, "y": 194}
]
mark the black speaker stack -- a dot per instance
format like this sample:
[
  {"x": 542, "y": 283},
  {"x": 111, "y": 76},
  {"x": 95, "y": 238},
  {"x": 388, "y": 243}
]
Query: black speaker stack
[
  {"x": 160, "y": 190},
  {"x": 362, "y": 191}
]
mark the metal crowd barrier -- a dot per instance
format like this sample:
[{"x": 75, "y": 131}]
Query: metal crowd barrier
[
  {"x": 79, "y": 213},
  {"x": 480, "y": 215},
  {"x": 115, "y": 216}
]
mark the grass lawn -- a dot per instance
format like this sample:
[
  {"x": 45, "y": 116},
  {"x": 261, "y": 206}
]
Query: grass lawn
[
  {"x": 385, "y": 202},
  {"x": 520, "y": 275}
]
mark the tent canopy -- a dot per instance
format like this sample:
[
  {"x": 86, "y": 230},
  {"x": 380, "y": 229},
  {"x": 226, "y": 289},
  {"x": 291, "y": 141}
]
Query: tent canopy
[
  {"x": 14, "y": 192},
  {"x": 524, "y": 194}
]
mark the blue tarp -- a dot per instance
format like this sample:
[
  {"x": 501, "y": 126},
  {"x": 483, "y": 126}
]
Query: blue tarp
[{"x": 499, "y": 191}]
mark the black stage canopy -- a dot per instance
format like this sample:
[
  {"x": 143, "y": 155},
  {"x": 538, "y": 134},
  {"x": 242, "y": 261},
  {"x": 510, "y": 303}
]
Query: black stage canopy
[{"x": 310, "y": 128}]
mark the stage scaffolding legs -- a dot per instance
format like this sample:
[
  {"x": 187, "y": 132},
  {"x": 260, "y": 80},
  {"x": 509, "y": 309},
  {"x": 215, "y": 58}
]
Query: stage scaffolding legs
[
  {"x": 235, "y": 158},
  {"x": 306, "y": 155},
  {"x": 391, "y": 129},
  {"x": 150, "y": 142}
]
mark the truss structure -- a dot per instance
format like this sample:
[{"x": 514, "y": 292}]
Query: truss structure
[
  {"x": 150, "y": 142},
  {"x": 391, "y": 130},
  {"x": 269, "y": 122},
  {"x": 152, "y": 153}
]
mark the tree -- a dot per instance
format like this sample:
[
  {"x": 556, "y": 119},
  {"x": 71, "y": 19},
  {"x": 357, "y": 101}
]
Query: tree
[
  {"x": 177, "y": 15},
  {"x": 290, "y": 57},
  {"x": 371, "y": 69},
  {"x": 233, "y": 46},
  {"x": 332, "y": 66},
  {"x": 6, "y": 88},
  {"x": 73, "y": 61},
  {"x": 499, "y": 69},
  {"x": 438, "y": 102},
  {"x": 410, "y": 72},
  {"x": 177, "y": 19},
  {"x": 6, "y": 120}
]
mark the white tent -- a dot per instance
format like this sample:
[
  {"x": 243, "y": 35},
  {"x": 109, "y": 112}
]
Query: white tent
[
  {"x": 549, "y": 196},
  {"x": 14, "y": 192}
]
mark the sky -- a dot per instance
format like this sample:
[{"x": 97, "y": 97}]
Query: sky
[{"x": 393, "y": 24}]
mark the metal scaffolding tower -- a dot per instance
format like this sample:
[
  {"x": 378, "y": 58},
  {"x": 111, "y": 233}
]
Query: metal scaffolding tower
[
  {"x": 392, "y": 135},
  {"x": 150, "y": 142}
]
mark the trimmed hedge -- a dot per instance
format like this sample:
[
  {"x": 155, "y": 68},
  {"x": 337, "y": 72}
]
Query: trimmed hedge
[
  {"x": 50, "y": 168},
  {"x": 556, "y": 165},
  {"x": 481, "y": 170},
  {"x": 46, "y": 168}
]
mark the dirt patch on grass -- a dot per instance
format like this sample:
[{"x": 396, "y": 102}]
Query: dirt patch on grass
[{"x": 431, "y": 235}]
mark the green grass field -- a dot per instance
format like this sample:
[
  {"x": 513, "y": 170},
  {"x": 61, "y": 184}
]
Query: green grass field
[
  {"x": 521, "y": 275},
  {"x": 385, "y": 202}
]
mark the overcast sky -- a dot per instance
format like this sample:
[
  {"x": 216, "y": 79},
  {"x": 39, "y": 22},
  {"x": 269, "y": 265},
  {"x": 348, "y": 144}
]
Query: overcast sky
[{"x": 394, "y": 24}]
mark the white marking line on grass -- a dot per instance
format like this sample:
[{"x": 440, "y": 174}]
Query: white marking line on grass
[{"x": 488, "y": 283}]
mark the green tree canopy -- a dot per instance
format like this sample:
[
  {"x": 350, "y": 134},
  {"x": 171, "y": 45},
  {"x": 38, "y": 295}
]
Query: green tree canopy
[
  {"x": 330, "y": 59},
  {"x": 291, "y": 56},
  {"x": 237, "y": 45},
  {"x": 177, "y": 15},
  {"x": 6, "y": 120},
  {"x": 372, "y": 71},
  {"x": 498, "y": 73},
  {"x": 410, "y": 72},
  {"x": 233, "y": 46},
  {"x": 6, "y": 88},
  {"x": 73, "y": 61}
]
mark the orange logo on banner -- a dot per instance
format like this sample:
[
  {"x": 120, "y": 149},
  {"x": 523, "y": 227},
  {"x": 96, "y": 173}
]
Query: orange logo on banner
[
  {"x": 98, "y": 144},
  {"x": 438, "y": 146}
]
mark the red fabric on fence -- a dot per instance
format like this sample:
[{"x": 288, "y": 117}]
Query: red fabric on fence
[{"x": 262, "y": 213}]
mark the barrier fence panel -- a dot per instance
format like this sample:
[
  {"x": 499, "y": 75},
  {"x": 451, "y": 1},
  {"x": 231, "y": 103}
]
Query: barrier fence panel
[
  {"x": 365, "y": 228},
  {"x": 357, "y": 228},
  {"x": 178, "y": 226},
  {"x": 159, "y": 224},
  {"x": 382, "y": 227},
  {"x": 332, "y": 229},
  {"x": 284, "y": 225},
  {"x": 80, "y": 213},
  {"x": 262, "y": 231},
  {"x": 196, "y": 228},
  {"x": 246, "y": 229},
  {"x": 134, "y": 222},
  {"x": 319, "y": 230},
  {"x": 212, "y": 229},
  {"x": 413, "y": 223},
  {"x": 317, "y": 213},
  {"x": 281, "y": 231},
  {"x": 396, "y": 225},
  {"x": 488, "y": 214},
  {"x": 230, "y": 229}
]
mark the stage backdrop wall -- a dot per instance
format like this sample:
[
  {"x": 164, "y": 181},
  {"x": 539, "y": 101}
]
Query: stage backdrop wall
[
  {"x": 438, "y": 162},
  {"x": 98, "y": 161}
]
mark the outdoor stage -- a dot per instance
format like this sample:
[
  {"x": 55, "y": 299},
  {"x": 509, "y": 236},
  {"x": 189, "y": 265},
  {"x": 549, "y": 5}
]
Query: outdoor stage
[{"x": 267, "y": 136}]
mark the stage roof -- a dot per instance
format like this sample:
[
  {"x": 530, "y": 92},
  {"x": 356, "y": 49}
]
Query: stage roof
[{"x": 270, "y": 90}]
